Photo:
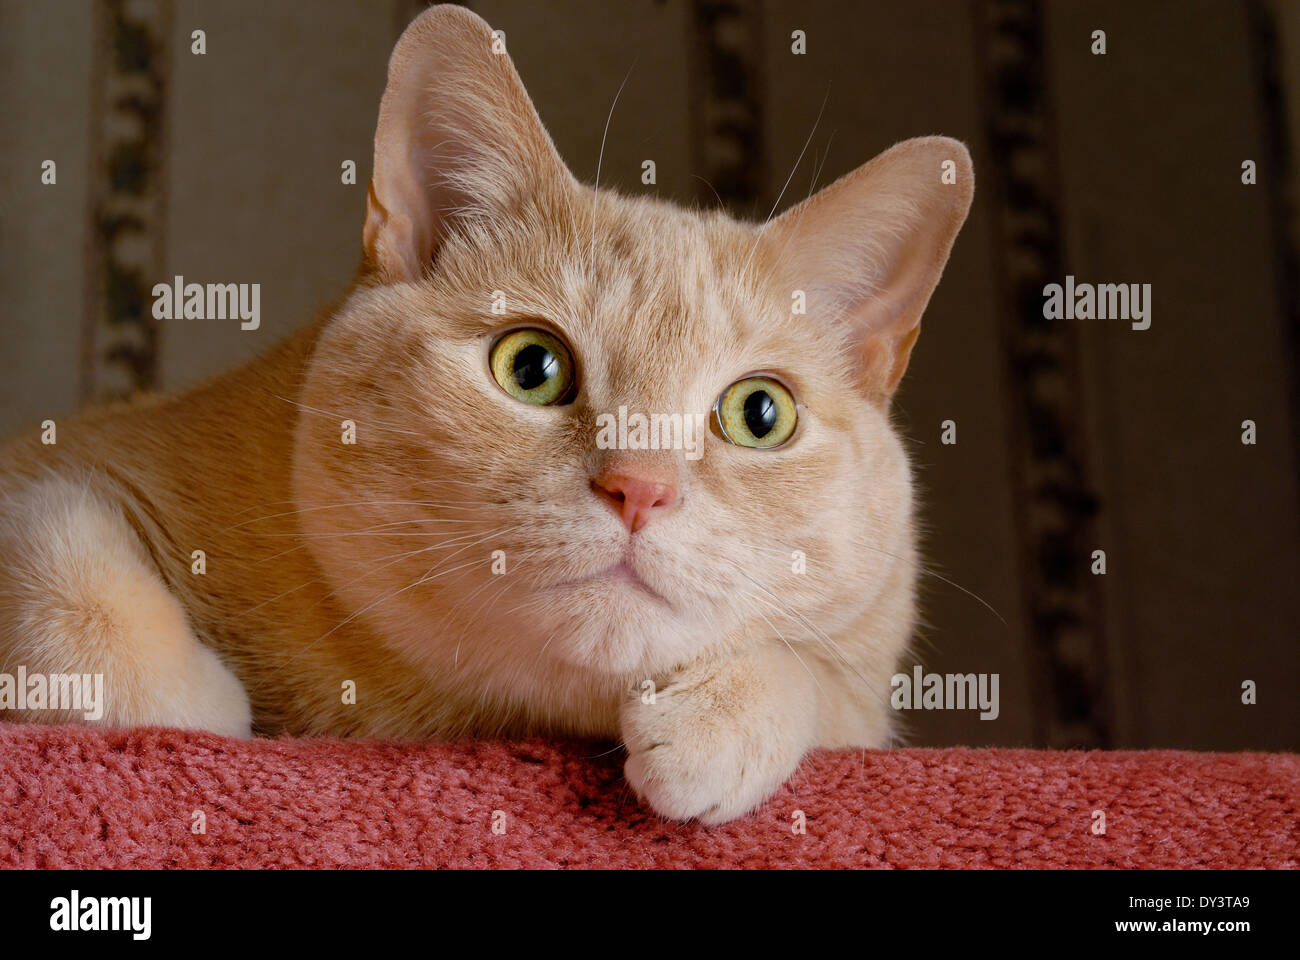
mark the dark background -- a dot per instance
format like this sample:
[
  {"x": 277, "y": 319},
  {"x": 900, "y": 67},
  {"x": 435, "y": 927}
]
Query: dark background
[{"x": 1072, "y": 435}]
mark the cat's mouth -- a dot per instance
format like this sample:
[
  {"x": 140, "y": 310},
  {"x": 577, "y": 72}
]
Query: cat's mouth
[{"x": 621, "y": 574}]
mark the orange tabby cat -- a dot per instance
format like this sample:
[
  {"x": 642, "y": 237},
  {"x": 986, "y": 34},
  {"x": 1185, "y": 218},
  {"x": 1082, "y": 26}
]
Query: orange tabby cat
[{"x": 413, "y": 523}]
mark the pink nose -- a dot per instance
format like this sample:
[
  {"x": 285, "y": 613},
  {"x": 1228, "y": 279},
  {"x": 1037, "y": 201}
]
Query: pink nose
[{"x": 636, "y": 500}]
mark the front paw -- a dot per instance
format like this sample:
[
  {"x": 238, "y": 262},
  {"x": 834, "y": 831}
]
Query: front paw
[{"x": 693, "y": 755}]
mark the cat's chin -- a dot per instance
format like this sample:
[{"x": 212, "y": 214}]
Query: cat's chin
[{"x": 613, "y": 624}]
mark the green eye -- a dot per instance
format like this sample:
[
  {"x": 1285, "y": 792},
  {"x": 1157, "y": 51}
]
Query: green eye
[
  {"x": 533, "y": 366},
  {"x": 756, "y": 412}
]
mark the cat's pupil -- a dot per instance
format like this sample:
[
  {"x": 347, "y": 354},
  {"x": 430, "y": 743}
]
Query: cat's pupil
[
  {"x": 534, "y": 365},
  {"x": 760, "y": 413}
]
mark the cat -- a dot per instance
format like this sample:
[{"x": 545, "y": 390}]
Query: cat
[{"x": 399, "y": 523}]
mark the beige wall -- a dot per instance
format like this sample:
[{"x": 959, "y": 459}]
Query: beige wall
[
  {"x": 42, "y": 227},
  {"x": 1201, "y": 531},
  {"x": 259, "y": 128}
]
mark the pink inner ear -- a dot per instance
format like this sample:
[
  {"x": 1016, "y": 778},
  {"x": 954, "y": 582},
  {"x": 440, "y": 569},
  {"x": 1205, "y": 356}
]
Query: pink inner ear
[
  {"x": 391, "y": 242},
  {"x": 885, "y": 360},
  {"x": 869, "y": 250}
]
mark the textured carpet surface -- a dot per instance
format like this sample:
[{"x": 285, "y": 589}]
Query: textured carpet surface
[{"x": 71, "y": 797}]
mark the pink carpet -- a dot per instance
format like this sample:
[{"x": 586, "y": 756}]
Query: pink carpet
[{"x": 70, "y": 797}]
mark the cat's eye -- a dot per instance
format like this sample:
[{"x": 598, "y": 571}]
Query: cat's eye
[
  {"x": 756, "y": 412},
  {"x": 533, "y": 366}
]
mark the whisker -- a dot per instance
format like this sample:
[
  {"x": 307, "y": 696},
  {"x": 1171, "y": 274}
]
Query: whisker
[
  {"x": 595, "y": 193},
  {"x": 938, "y": 576},
  {"x": 790, "y": 646},
  {"x": 798, "y": 160},
  {"x": 426, "y": 578}
]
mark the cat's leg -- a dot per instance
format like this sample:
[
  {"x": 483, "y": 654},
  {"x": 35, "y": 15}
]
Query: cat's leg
[
  {"x": 724, "y": 734},
  {"x": 79, "y": 594}
]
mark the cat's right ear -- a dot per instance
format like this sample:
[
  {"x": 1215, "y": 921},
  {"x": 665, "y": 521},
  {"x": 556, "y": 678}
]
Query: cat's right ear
[
  {"x": 868, "y": 250},
  {"x": 458, "y": 139}
]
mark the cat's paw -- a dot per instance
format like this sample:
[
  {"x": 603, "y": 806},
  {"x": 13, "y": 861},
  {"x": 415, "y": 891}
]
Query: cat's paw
[{"x": 710, "y": 749}]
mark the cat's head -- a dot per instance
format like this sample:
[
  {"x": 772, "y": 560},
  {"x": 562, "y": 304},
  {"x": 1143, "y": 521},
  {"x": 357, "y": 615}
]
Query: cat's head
[{"x": 509, "y": 326}]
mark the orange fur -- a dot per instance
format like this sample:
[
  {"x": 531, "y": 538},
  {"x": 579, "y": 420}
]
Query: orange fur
[{"x": 373, "y": 562}]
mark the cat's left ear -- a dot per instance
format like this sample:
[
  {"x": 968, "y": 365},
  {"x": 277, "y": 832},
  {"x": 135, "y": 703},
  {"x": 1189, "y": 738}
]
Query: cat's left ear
[
  {"x": 458, "y": 139},
  {"x": 868, "y": 250}
]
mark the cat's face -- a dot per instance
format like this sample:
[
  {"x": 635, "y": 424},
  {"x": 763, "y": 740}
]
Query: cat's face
[
  {"x": 663, "y": 321},
  {"x": 480, "y": 520}
]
